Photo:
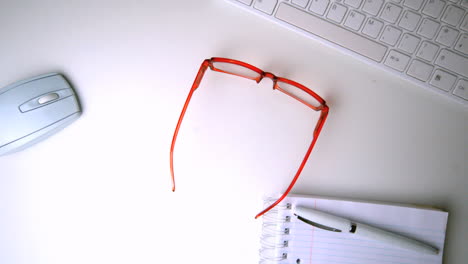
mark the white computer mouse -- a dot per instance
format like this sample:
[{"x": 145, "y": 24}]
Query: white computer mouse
[{"x": 34, "y": 109}]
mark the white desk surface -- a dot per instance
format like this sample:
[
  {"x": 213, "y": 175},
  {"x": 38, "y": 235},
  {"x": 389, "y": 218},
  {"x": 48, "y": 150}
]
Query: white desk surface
[{"x": 99, "y": 191}]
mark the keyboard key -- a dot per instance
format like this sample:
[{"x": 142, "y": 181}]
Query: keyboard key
[
  {"x": 453, "y": 62},
  {"x": 247, "y": 2},
  {"x": 420, "y": 70},
  {"x": 391, "y": 13},
  {"x": 397, "y": 60},
  {"x": 462, "y": 44},
  {"x": 354, "y": 20},
  {"x": 433, "y": 8},
  {"x": 372, "y": 28},
  {"x": 394, "y": 33},
  {"x": 266, "y": 6},
  {"x": 319, "y": 6},
  {"x": 447, "y": 36},
  {"x": 301, "y": 3},
  {"x": 461, "y": 89},
  {"x": 464, "y": 3},
  {"x": 390, "y": 35},
  {"x": 453, "y": 15},
  {"x": 353, "y": 3},
  {"x": 337, "y": 12},
  {"x": 409, "y": 21},
  {"x": 427, "y": 51},
  {"x": 413, "y": 4},
  {"x": 372, "y": 6},
  {"x": 409, "y": 43},
  {"x": 443, "y": 80},
  {"x": 464, "y": 24},
  {"x": 428, "y": 28},
  {"x": 331, "y": 32}
]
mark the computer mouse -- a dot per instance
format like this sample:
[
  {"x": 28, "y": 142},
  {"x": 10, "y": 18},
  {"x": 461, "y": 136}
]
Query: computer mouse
[{"x": 34, "y": 109}]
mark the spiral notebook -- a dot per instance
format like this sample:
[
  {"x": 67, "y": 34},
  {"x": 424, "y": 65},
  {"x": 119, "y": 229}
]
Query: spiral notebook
[{"x": 285, "y": 239}]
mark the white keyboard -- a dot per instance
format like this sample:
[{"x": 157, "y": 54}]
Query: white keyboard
[{"x": 425, "y": 41}]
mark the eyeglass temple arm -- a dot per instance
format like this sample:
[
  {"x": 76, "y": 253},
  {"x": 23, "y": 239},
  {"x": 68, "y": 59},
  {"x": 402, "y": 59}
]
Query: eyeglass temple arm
[
  {"x": 204, "y": 66},
  {"x": 318, "y": 128}
]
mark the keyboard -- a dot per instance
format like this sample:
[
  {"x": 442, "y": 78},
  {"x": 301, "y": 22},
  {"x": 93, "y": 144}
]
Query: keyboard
[{"x": 424, "y": 41}]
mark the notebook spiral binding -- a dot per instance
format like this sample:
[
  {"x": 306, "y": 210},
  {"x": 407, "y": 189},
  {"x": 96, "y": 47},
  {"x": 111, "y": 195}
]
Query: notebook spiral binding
[{"x": 274, "y": 234}]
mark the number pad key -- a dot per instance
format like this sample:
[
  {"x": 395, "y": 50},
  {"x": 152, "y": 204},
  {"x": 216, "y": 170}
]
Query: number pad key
[
  {"x": 443, "y": 80},
  {"x": 461, "y": 89},
  {"x": 464, "y": 24},
  {"x": 428, "y": 28},
  {"x": 420, "y": 70},
  {"x": 464, "y": 3},
  {"x": 427, "y": 51},
  {"x": 462, "y": 44},
  {"x": 453, "y": 15},
  {"x": 433, "y": 8},
  {"x": 453, "y": 62},
  {"x": 447, "y": 36},
  {"x": 397, "y": 60},
  {"x": 409, "y": 43}
]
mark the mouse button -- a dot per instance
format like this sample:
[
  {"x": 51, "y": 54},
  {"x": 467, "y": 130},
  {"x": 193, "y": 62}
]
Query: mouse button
[
  {"x": 38, "y": 102},
  {"x": 22, "y": 124},
  {"x": 40, "y": 86},
  {"x": 45, "y": 99},
  {"x": 8, "y": 122},
  {"x": 26, "y": 92},
  {"x": 65, "y": 93},
  {"x": 8, "y": 100},
  {"x": 22, "y": 82},
  {"x": 38, "y": 135}
]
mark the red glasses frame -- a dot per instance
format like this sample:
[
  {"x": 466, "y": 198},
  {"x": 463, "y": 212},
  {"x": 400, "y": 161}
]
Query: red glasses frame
[{"x": 322, "y": 107}]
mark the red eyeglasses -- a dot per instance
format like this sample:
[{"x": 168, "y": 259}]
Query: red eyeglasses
[{"x": 286, "y": 86}]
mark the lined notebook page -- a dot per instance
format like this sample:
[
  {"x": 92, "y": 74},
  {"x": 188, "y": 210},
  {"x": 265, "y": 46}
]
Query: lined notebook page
[{"x": 308, "y": 244}]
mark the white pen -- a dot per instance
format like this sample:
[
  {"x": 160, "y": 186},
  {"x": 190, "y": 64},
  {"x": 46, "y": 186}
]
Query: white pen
[{"x": 338, "y": 224}]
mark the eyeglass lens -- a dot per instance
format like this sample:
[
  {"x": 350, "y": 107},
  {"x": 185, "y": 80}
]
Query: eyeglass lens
[{"x": 236, "y": 70}]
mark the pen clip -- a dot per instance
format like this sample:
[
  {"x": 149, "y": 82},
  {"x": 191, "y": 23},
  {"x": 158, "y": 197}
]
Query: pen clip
[{"x": 307, "y": 221}]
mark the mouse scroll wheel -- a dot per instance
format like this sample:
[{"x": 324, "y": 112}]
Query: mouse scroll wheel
[{"x": 47, "y": 98}]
